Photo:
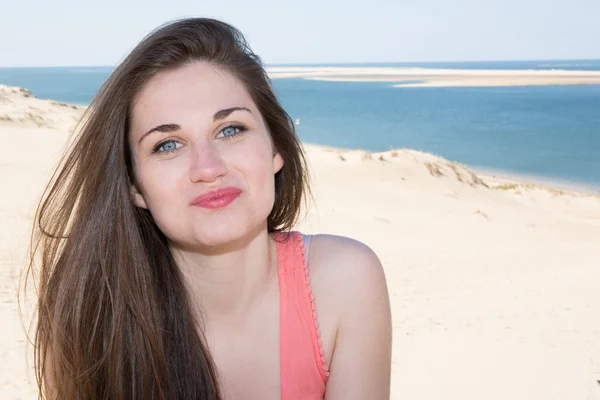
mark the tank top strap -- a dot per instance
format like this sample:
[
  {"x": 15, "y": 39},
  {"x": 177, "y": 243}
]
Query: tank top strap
[{"x": 304, "y": 370}]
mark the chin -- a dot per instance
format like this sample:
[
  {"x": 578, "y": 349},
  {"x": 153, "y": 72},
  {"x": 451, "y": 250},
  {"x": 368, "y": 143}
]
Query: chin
[
  {"x": 227, "y": 236},
  {"x": 218, "y": 238}
]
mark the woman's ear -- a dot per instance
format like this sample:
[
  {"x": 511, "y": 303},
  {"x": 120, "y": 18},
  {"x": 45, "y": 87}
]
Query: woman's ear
[
  {"x": 137, "y": 197},
  {"x": 277, "y": 163}
]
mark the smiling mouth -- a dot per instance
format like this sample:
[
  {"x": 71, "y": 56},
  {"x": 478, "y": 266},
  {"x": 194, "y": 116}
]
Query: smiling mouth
[{"x": 217, "y": 199}]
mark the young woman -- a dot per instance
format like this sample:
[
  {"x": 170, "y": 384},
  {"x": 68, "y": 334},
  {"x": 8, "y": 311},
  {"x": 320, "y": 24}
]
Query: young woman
[{"x": 169, "y": 268}]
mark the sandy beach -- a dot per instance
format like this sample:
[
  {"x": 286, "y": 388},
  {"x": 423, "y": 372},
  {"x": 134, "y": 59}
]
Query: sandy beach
[
  {"x": 430, "y": 77},
  {"x": 493, "y": 281}
]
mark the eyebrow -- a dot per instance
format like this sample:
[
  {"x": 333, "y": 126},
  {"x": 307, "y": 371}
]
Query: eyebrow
[{"x": 219, "y": 115}]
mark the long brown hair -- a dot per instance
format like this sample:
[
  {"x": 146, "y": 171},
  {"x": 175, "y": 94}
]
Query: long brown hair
[{"x": 114, "y": 318}]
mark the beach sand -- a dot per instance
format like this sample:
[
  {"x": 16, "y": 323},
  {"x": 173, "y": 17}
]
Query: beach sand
[
  {"x": 431, "y": 77},
  {"x": 493, "y": 282}
]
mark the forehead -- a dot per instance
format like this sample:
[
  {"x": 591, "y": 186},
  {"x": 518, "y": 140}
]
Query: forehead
[{"x": 198, "y": 88}]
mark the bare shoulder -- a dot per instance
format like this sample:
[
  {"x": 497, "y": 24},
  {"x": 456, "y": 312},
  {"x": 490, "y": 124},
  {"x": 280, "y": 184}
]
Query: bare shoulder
[
  {"x": 331, "y": 254},
  {"x": 347, "y": 270}
]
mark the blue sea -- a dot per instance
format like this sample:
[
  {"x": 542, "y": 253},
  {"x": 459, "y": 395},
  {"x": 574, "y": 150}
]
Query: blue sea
[{"x": 550, "y": 133}]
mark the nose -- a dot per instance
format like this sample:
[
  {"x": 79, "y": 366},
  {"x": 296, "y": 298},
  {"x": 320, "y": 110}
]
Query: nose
[{"x": 207, "y": 163}]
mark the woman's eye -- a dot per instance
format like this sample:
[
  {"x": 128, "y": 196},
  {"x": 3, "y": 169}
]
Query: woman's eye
[
  {"x": 167, "y": 146},
  {"x": 231, "y": 131}
]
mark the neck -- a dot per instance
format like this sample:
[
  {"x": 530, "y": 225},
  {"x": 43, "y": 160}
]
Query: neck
[{"x": 226, "y": 285}]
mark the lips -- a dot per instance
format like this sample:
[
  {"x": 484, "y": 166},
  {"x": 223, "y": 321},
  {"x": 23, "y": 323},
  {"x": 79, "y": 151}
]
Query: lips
[{"x": 217, "y": 199}]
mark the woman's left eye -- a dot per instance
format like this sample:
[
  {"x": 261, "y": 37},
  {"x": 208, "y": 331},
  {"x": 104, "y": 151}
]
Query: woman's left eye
[{"x": 231, "y": 131}]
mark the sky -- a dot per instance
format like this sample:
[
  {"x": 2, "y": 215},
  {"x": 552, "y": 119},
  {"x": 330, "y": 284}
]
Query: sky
[{"x": 101, "y": 33}]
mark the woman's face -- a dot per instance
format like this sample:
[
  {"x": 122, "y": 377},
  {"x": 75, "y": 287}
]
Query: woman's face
[{"x": 203, "y": 158}]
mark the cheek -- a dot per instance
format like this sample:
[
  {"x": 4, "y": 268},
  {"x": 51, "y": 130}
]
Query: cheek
[
  {"x": 161, "y": 186},
  {"x": 255, "y": 159},
  {"x": 258, "y": 170}
]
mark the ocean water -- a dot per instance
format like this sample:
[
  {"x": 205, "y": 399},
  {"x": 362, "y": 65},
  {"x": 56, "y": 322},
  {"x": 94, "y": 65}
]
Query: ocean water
[{"x": 548, "y": 132}]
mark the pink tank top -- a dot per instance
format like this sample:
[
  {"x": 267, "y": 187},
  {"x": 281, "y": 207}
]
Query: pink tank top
[{"x": 304, "y": 371}]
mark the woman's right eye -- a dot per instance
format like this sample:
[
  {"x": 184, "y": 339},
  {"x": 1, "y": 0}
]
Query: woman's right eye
[{"x": 168, "y": 146}]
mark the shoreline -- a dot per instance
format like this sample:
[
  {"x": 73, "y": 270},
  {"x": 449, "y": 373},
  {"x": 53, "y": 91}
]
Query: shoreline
[
  {"x": 497, "y": 176},
  {"x": 585, "y": 188}
]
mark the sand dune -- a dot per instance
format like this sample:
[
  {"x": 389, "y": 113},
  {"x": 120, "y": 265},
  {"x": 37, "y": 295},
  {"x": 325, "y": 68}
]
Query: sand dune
[
  {"x": 431, "y": 77},
  {"x": 493, "y": 282}
]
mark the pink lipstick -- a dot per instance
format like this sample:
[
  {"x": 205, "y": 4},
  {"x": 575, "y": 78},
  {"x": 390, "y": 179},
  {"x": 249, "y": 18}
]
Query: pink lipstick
[{"x": 217, "y": 199}]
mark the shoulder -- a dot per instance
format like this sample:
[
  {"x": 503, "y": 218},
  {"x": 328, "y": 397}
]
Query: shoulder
[
  {"x": 347, "y": 270},
  {"x": 331, "y": 254},
  {"x": 351, "y": 292}
]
